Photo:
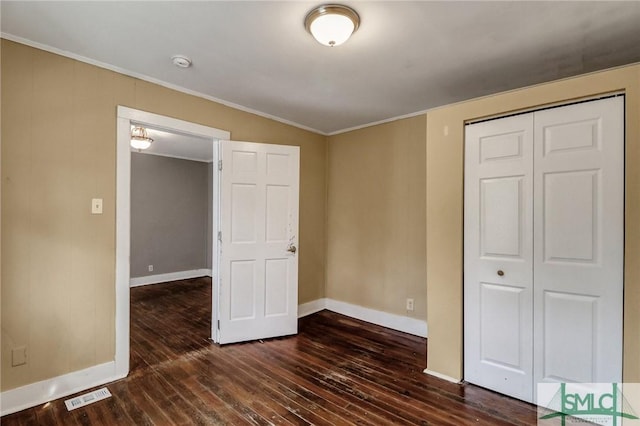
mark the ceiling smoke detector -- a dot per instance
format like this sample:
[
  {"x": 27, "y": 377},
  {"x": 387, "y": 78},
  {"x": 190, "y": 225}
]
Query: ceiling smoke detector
[{"x": 181, "y": 61}]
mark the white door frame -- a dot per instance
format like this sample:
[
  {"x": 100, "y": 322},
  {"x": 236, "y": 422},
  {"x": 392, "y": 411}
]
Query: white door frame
[{"x": 125, "y": 116}]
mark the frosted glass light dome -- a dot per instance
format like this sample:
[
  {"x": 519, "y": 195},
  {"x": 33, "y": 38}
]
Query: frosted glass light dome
[
  {"x": 332, "y": 24},
  {"x": 140, "y": 139}
]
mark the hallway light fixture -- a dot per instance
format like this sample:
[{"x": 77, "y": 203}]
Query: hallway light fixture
[
  {"x": 139, "y": 138},
  {"x": 332, "y": 24}
]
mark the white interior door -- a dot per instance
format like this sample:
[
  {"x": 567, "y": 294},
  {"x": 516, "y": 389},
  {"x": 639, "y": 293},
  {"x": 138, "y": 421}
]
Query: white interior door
[
  {"x": 544, "y": 248},
  {"x": 579, "y": 242},
  {"x": 498, "y": 299},
  {"x": 258, "y": 295}
]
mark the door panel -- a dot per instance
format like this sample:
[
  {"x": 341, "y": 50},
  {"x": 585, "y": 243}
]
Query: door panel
[
  {"x": 579, "y": 242},
  {"x": 501, "y": 147},
  {"x": 259, "y": 223},
  {"x": 244, "y": 213},
  {"x": 278, "y": 200},
  {"x": 497, "y": 232},
  {"x": 242, "y": 288},
  {"x": 501, "y": 217},
  {"x": 575, "y": 339},
  {"x": 500, "y": 319},
  {"x": 576, "y": 134},
  {"x": 276, "y": 285},
  {"x": 564, "y": 194}
]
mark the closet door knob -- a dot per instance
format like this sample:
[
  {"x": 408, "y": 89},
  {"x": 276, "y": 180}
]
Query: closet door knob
[{"x": 500, "y": 272}]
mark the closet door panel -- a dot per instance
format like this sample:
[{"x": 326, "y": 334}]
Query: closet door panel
[
  {"x": 575, "y": 363},
  {"x": 578, "y": 242},
  {"x": 498, "y": 255}
]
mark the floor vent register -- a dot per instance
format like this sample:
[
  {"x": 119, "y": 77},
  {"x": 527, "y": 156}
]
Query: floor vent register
[{"x": 87, "y": 398}]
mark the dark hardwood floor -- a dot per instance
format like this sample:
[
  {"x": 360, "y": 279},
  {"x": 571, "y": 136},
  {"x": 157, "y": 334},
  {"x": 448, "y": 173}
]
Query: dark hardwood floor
[{"x": 336, "y": 371}]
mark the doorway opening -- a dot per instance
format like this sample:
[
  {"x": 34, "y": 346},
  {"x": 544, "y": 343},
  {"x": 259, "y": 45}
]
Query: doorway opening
[
  {"x": 171, "y": 247},
  {"x": 203, "y": 143}
]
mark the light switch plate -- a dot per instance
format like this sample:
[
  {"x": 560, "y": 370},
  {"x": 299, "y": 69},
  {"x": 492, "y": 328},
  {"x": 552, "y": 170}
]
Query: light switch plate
[{"x": 96, "y": 206}]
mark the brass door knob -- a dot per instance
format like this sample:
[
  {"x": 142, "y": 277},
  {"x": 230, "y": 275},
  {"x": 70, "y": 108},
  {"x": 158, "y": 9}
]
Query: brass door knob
[
  {"x": 500, "y": 272},
  {"x": 291, "y": 249}
]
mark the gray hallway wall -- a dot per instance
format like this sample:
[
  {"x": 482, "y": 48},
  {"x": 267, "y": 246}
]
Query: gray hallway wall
[{"x": 170, "y": 215}]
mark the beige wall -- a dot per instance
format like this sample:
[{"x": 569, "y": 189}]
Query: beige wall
[
  {"x": 376, "y": 211},
  {"x": 58, "y": 152},
  {"x": 445, "y": 215}
]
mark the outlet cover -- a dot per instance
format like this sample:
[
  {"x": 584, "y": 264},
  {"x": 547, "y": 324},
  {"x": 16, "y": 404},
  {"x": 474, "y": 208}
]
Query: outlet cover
[
  {"x": 18, "y": 356},
  {"x": 150, "y": 268},
  {"x": 409, "y": 304}
]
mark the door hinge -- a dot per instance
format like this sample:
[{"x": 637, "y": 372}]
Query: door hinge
[
  {"x": 220, "y": 236},
  {"x": 220, "y": 165},
  {"x": 218, "y": 324}
]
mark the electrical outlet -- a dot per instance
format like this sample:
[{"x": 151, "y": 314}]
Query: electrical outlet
[
  {"x": 409, "y": 304},
  {"x": 18, "y": 356},
  {"x": 150, "y": 268}
]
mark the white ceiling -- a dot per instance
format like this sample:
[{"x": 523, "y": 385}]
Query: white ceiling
[
  {"x": 405, "y": 58},
  {"x": 176, "y": 145}
]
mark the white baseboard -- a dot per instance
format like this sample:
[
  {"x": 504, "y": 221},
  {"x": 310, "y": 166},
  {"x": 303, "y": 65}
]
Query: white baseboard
[
  {"x": 34, "y": 394},
  {"x": 441, "y": 376},
  {"x": 171, "y": 276},
  {"x": 395, "y": 322},
  {"x": 14, "y": 400},
  {"x": 312, "y": 307}
]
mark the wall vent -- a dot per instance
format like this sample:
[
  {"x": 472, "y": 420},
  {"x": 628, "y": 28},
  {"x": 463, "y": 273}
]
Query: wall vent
[{"x": 87, "y": 398}]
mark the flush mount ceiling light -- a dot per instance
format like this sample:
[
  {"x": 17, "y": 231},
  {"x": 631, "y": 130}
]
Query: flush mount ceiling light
[
  {"x": 181, "y": 61},
  {"x": 139, "y": 138},
  {"x": 332, "y": 24}
]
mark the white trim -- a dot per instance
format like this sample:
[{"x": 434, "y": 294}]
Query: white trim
[
  {"x": 24, "y": 397},
  {"x": 312, "y": 307},
  {"x": 179, "y": 157},
  {"x": 376, "y": 123},
  {"x": 153, "y": 80},
  {"x": 170, "y": 276},
  {"x": 441, "y": 376},
  {"x": 143, "y": 77},
  {"x": 395, "y": 322},
  {"x": 123, "y": 213},
  {"x": 216, "y": 253},
  {"x": 171, "y": 124},
  {"x": 28, "y": 396},
  {"x": 123, "y": 240},
  {"x": 517, "y": 89},
  {"x": 181, "y": 89}
]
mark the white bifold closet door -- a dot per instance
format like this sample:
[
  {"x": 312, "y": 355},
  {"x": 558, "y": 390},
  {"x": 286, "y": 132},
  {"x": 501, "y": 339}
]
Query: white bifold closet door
[{"x": 543, "y": 249}]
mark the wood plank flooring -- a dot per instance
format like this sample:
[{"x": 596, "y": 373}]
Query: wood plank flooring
[{"x": 336, "y": 371}]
